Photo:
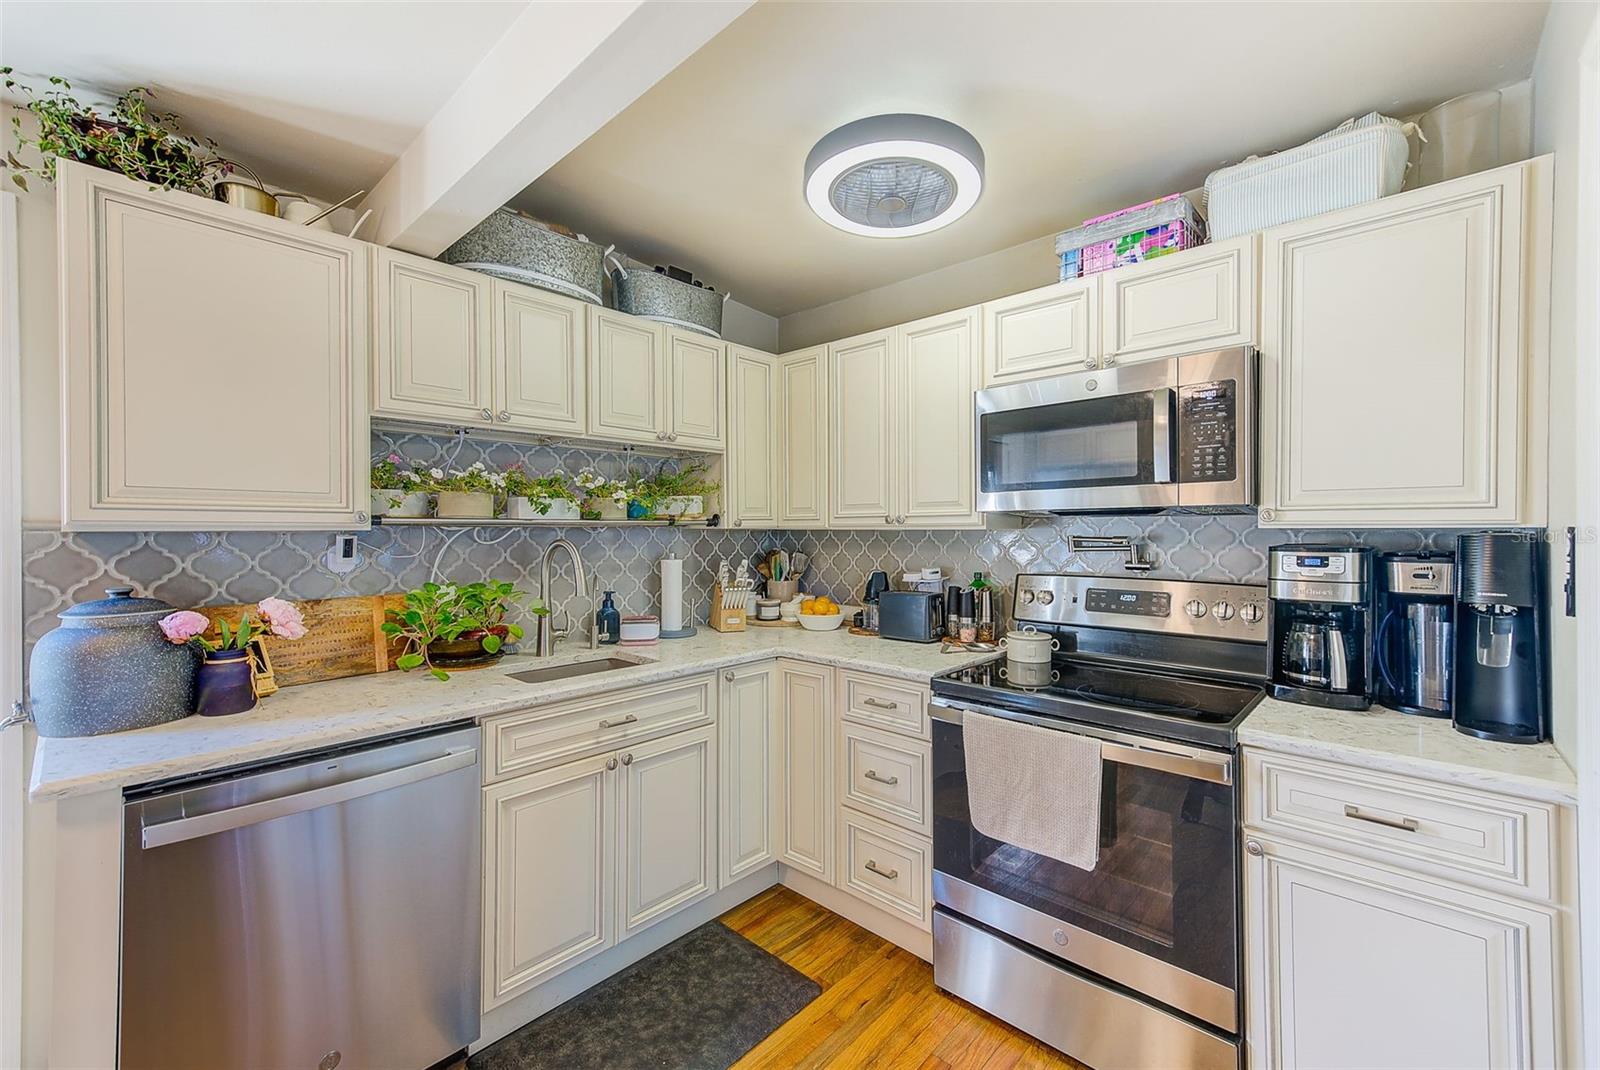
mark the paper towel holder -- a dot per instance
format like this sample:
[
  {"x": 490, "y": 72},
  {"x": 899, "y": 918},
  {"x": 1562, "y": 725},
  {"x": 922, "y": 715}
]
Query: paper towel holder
[{"x": 670, "y": 612}]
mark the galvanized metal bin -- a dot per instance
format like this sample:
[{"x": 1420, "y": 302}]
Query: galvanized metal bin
[
  {"x": 509, "y": 246},
  {"x": 653, "y": 295}
]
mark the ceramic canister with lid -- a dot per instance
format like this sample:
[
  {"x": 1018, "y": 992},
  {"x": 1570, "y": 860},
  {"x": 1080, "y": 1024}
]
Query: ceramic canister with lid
[
  {"x": 1029, "y": 646},
  {"x": 108, "y": 668}
]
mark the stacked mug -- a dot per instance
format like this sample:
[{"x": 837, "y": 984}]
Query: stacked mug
[{"x": 1028, "y": 652}]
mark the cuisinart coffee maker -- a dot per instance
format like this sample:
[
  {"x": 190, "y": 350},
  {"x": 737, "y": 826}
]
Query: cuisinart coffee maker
[
  {"x": 1321, "y": 599},
  {"x": 1501, "y": 691},
  {"x": 1415, "y": 644}
]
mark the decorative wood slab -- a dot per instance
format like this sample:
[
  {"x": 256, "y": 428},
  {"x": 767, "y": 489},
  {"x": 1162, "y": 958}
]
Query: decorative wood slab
[{"x": 345, "y": 638}]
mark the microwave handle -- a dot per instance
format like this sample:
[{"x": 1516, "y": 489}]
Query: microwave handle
[{"x": 1161, "y": 421}]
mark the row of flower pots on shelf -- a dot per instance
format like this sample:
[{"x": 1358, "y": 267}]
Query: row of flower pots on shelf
[{"x": 475, "y": 493}]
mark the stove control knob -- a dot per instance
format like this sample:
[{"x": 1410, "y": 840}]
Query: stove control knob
[
  {"x": 1251, "y": 613},
  {"x": 1195, "y": 608},
  {"x": 1222, "y": 610},
  {"x": 1046, "y": 597}
]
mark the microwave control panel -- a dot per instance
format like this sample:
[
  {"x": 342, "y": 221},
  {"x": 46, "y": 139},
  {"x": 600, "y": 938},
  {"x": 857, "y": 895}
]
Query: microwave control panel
[{"x": 1208, "y": 432}]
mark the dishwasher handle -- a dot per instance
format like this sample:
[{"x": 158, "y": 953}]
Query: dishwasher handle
[{"x": 191, "y": 828}]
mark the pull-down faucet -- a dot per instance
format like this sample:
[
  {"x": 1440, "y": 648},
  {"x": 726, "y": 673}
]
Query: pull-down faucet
[{"x": 545, "y": 631}]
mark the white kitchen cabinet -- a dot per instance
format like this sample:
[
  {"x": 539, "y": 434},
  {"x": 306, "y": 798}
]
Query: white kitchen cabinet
[
  {"x": 1358, "y": 966},
  {"x": 936, "y": 473},
  {"x": 549, "y": 847},
  {"x": 862, "y": 456},
  {"x": 667, "y": 854},
  {"x": 191, "y": 330},
  {"x": 805, "y": 710},
  {"x": 432, "y": 355},
  {"x": 803, "y": 443},
  {"x": 540, "y": 361},
  {"x": 1402, "y": 358},
  {"x": 627, "y": 377},
  {"x": 754, "y": 462},
  {"x": 748, "y": 754},
  {"x": 1191, "y": 301},
  {"x": 696, "y": 402},
  {"x": 1048, "y": 331}
]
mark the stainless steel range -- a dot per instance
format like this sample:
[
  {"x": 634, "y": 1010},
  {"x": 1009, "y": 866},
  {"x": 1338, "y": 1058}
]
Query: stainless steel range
[{"x": 1134, "y": 962}]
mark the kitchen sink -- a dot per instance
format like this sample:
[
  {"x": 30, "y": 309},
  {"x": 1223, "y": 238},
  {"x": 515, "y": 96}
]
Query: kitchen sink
[{"x": 577, "y": 668}]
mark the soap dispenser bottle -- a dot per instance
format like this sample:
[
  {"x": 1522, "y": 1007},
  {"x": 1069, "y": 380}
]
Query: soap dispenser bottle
[{"x": 608, "y": 620}]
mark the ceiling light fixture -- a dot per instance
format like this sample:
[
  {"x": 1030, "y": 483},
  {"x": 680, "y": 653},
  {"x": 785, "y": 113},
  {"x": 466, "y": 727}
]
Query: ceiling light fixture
[{"x": 893, "y": 176}]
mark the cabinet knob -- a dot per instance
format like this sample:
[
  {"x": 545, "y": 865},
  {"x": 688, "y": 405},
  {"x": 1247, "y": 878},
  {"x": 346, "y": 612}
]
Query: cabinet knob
[
  {"x": 487, "y": 415},
  {"x": 728, "y": 676},
  {"x": 611, "y": 763},
  {"x": 887, "y": 519},
  {"x": 361, "y": 518},
  {"x": 627, "y": 759},
  {"x": 1266, "y": 516},
  {"x": 505, "y": 417},
  {"x": 1252, "y": 847},
  {"x": 661, "y": 436},
  {"x": 672, "y": 436},
  {"x": 738, "y": 523}
]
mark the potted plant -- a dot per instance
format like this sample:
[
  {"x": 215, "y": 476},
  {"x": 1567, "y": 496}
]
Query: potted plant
[
  {"x": 467, "y": 494},
  {"x": 225, "y": 682},
  {"x": 603, "y": 498},
  {"x": 550, "y": 496},
  {"x": 128, "y": 138},
  {"x": 642, "y": 496},
  {"x": 447, "y": 626},
  {"x": 683, "y": 493},
  {"x": 398, "y": 491}
]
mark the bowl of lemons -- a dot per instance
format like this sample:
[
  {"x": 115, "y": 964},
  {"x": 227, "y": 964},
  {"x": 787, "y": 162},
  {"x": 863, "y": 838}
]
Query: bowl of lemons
[{"x": 821, "y": 614}]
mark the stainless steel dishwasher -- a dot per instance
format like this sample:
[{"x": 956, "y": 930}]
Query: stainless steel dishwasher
[{"x": 316, "y": 913}]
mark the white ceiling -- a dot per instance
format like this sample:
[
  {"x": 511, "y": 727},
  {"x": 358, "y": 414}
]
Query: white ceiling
[
  {"x": 322, "y": 96},
  {"x": 1080, "y": 108}
]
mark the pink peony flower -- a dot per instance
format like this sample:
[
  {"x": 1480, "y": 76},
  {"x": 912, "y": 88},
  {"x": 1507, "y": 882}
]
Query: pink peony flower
[
  {"x": 184, "y": 625},
  {"x": 283, "y": 618}
]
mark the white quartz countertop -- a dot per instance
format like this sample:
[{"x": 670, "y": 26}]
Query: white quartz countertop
[
  {"x": 313, "y": 716},
  {"x": 1417, "y": 746}
]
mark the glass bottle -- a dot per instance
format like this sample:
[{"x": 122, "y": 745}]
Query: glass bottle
[{"x": 608, "y": 620}]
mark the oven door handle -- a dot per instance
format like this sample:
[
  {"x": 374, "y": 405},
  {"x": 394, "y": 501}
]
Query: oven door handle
[
  {"x": 1114, "y": 746},
  {"x": 1161, "y": 420}
]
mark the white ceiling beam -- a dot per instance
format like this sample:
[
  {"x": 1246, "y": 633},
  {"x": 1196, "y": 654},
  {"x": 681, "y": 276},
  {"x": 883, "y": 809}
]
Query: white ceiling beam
[{"x": 562, "y": 71}]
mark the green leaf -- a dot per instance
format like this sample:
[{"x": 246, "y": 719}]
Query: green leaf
[
  {"x": 227, "y": 639},
  {"x": 413, "y": 618},
  {"x": 439, "y": 674},
  {"x": 243, "y": 634},
  {"x": 408, "y": 662},
  {"x": 514, "y": 630},
  {"x": 491, "y": 643},
  {"x": 389, "y": 628}
]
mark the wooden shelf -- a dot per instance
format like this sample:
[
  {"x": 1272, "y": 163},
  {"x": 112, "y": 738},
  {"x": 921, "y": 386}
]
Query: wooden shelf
[{"x": 713, "y": 522}]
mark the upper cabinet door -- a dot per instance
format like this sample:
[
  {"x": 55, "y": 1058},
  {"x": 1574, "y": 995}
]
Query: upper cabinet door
[
  {"x": 695, "y": 366},
  {"x": 1397, "y": 330},
  {"x": 1047, "y": 331},
  {"x": 627, "y": 377},
  {"x": 862, "y": 376},
  {"x": 753, "y": 467},
  {"x": 935, "y": 429},
  {"x": 541, "y": 360},
  {"x": 192, "y": 334},
  {"x": 803, "y": 446},
  {"x": 1186, "y": 302},
  {"x": 432, "y": 358}
]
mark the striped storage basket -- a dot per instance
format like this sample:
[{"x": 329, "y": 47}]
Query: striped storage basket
[{"x": 1362, "y": 160}]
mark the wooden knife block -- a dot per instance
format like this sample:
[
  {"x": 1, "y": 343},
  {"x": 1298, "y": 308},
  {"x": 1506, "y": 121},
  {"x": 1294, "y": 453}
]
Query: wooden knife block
[{"x": 721, "y": 618}]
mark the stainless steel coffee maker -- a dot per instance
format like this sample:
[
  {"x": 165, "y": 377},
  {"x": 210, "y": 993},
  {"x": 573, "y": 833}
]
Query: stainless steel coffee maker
[
  {"x": 1415, "y": 642},
  {"x": 1321, "y": 599}
]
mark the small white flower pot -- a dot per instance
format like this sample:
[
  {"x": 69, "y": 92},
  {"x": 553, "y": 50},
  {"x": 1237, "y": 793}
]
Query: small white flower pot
[
  {"x": 609, "y": 509},
  {"x": 562, "y": 509},
  {"x": 466, "y": 505},
  {"x": 682, "y": 505},
  {"x": 522, "y": 509},
  {"x": 399, "y": 503},
  {"x": 528, "y": 509}
]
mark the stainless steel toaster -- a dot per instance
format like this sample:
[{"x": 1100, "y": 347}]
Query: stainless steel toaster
[{"x": 915, "y": 616}]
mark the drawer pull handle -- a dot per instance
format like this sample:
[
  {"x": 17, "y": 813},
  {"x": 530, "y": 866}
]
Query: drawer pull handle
[
  {"x": 619, "y": 722},
  {"x": 1405, "y": 824},
  {"x": 879, "y": 704},
  {"x": 889, "y": 874},
  {"x": 872, "y": 774}
]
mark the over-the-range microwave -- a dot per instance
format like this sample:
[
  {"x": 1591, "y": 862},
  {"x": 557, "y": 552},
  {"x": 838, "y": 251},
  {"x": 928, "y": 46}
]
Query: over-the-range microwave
[{"x": 1170, "y": 434}]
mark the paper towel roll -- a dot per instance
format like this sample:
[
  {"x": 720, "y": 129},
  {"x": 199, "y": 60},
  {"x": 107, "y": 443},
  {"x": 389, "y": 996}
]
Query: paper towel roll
[{"x": 671, "y": 594}]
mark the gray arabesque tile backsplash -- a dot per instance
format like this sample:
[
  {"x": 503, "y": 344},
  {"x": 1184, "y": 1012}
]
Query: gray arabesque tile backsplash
[{"x": 198, "y": 568}]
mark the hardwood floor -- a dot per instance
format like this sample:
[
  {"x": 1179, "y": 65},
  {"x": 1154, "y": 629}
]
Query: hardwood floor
[{"x": 878, "y": 1006}]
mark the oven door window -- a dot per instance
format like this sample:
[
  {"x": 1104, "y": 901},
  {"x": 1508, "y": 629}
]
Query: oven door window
[
  {"x": 1098, "y": 442},
  {"x": 1164, "y": 881}
]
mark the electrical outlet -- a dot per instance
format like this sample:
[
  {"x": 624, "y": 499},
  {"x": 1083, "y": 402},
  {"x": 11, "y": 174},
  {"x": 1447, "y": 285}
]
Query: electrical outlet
[{"x": 345, "y": 556}]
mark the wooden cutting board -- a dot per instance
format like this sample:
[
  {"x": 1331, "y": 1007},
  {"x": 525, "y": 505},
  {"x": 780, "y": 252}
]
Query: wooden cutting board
[{"x": 345, "y": 638}]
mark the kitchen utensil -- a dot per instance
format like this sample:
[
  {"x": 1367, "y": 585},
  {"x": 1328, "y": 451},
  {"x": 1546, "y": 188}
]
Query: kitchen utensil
[
  {"x": 364, "y": 217},
  {"x": 798, "y": 564},
  {"x": 251, "y": 196},
  {"x": 640, "y": 630},
  {"x": 332, "y": 208},
  {"x": 817, "y": 622},
  {"x": 783, "y": 590},
  {"x": 299, "y": 210},
  {"x": 108, "y": 667},
  {"x": 1029, "y": 646}
]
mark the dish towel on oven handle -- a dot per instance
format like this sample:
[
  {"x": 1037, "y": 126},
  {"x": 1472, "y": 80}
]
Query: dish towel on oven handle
[{"x": 1034, "y": 788}]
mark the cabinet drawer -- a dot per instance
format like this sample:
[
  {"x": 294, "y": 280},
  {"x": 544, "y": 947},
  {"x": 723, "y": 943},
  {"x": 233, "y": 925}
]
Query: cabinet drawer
[
  {"x": 1490, "y": 840},
  {"x": 895, "y": 705},
  {"x": 885, "y": 866},
  {"x": 886, "y": 776},
  {"x": 535, "y": 739}
]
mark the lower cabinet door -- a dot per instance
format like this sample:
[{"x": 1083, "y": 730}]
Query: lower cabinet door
[
  {"x": 549, "y": 843},
  {"x": 805, "y": 737},
  {"x": 1355, "y": 966},
  {"x": 747, "y": 751},
  {"x": 667, "y": 839}
]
